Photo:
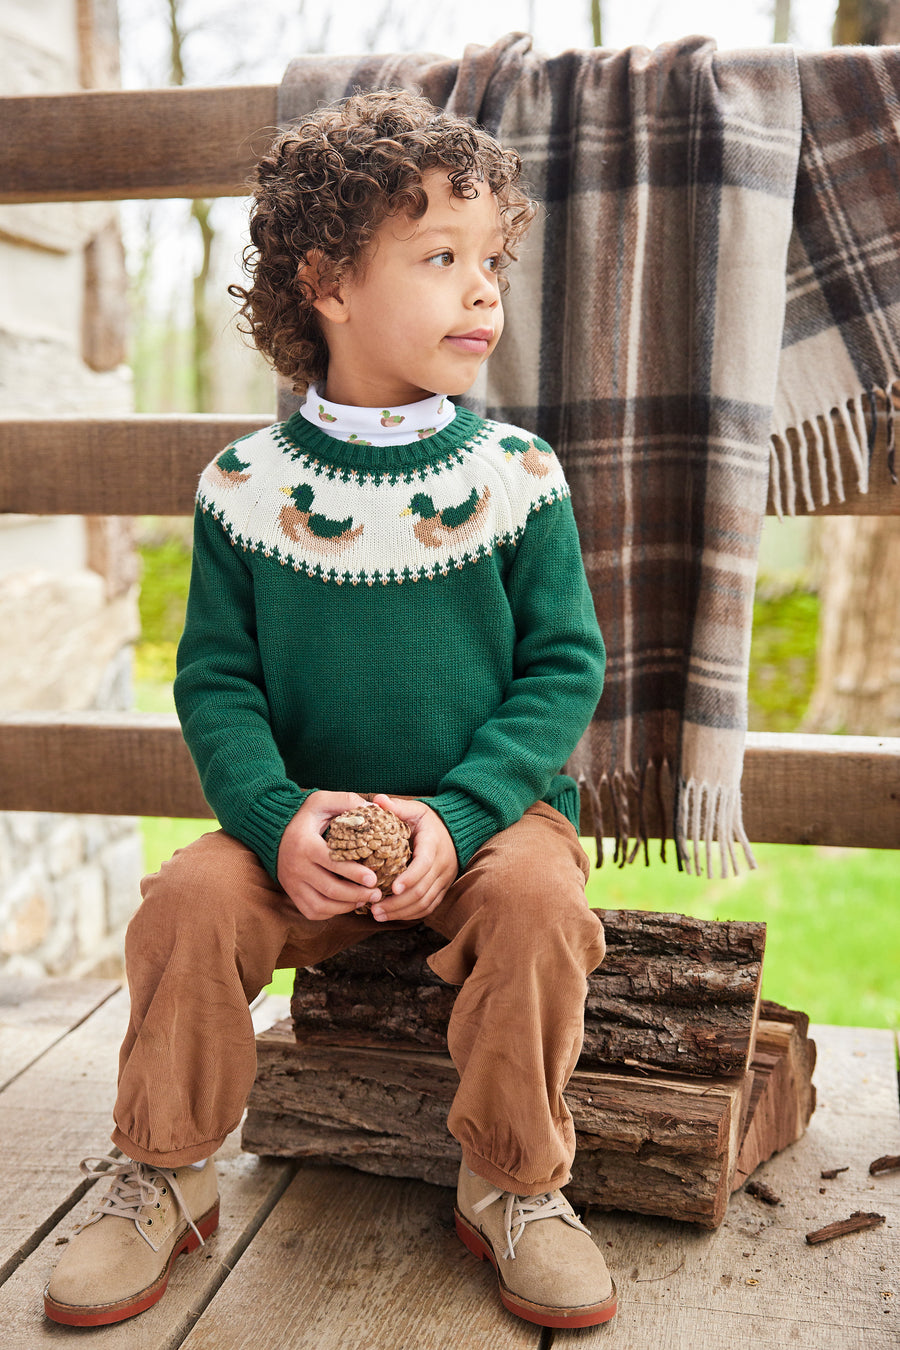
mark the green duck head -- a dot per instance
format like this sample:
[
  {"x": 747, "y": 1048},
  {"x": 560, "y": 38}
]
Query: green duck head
[
  {"x": 302, "y": 496},
  {"x": 422, "y": 505}
]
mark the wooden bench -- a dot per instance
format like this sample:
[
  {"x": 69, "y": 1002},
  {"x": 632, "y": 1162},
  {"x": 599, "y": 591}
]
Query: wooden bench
[{"x": 798, "y": 789}]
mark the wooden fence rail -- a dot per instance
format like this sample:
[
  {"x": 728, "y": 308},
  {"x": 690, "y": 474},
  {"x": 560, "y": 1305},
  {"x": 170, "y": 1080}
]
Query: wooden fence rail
[
  {"x": 147, "y": 465},
  {"x": 837, "y": 790},
  {"x": 106, "y": 145}
]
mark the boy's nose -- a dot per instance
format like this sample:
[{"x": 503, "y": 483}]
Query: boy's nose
[{"x": 484, "y": 291}]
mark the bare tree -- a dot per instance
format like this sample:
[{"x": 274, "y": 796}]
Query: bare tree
[
  {"x": 857, "y": 687},
  {"x": 782, "y": 20},
  {"x": 597, "y": 23}
]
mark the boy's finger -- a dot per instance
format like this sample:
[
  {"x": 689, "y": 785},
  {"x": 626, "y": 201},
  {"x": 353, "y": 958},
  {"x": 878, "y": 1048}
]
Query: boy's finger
[
  {"x": 353, "y": 871},
  {"x": 409, "y": 907},
  {"x": 406, "y": 809},
  {"x": 343, "y": 891}
]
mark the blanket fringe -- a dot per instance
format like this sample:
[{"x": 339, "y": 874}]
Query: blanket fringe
[
  {"x": 631, "y": 806},
  {"x": 708, "y": 815},
  {"x": 625, "y": 821},
  {"x": 817, "y": 450}
]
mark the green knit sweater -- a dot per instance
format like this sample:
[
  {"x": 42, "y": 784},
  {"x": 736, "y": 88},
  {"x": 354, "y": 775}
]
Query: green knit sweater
[{"x": 408, "y": 619}]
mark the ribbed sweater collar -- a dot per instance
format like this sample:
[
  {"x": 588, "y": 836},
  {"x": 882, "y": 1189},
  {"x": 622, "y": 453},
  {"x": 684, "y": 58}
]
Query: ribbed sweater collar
[{"x": 383, "y": 459}]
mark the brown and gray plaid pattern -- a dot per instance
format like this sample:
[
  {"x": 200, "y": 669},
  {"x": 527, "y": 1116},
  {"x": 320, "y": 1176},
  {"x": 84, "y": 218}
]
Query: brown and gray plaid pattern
[
  {"x": 644, "y": 342},
  {"x": 843, "y": 276}
]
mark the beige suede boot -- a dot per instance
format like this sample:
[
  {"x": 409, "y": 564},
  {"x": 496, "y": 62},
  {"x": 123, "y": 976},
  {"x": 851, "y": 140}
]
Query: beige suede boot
[
  {"x": 119, "y": 1261},
  {"x": 549, "y": 1269}
]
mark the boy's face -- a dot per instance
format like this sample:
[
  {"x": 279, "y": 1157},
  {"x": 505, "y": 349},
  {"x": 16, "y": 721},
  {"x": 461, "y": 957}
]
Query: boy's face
[{"x": 423, "y": 311}]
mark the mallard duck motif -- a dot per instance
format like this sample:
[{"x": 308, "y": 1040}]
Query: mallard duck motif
[
  {"x": 424, "y": 432},
  {"x": 435, "y": 528},
  {"x": 230, "y": 468},
  {"x": 315, "y": 531},
  {"x": 534, "y": 461},
  {"x": 353, "y": 439},
  {"x": 324, "y": 416},
  {"x": 389, "y": 419}
]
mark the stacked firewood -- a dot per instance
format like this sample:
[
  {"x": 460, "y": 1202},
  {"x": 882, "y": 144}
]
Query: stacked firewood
[{"x": 686, "y": 1083}]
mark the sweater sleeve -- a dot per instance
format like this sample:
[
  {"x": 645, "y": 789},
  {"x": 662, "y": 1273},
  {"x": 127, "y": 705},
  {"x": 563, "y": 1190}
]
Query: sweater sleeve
[
  {"x": 557, "y": 679},
  {"x": 221, "y": 700}
]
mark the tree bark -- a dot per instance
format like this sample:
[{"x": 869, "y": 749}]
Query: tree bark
[
  {"x": 673, "y": 993},
  {"x": 857, "y": 688},
  {"x": 658, "y": 1144}
]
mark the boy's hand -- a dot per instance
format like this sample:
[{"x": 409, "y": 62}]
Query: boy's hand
[
  {"x": 434, "y": 867},
  {"x": 318, "y": 886}
]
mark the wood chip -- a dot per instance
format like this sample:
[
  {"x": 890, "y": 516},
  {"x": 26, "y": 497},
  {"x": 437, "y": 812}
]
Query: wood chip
[
  {"x": 888, "y": 1163},
  {"x": 762, "y": 1192},
  {"x": 832, "y": 1172},
  {"x": 855, "y": 1224}
]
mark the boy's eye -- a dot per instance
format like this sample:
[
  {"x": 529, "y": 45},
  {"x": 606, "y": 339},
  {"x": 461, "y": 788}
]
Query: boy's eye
[
  {"x": 492, "y": 263},
  {"x": 443, "y": 259}
]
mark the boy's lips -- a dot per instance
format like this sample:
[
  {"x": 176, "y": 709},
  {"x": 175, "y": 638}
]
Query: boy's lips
[{"x": 477, "y": 341}]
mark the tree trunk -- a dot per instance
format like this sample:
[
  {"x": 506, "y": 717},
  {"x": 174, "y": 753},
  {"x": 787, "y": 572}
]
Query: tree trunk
[
  {"x": 782, "y": 21},
  {"x": 201, "y": 334},
  {"x": 857, "y": 687},
  {"x": 596, "y": 23},
  {"x": 870, "y": 23}
]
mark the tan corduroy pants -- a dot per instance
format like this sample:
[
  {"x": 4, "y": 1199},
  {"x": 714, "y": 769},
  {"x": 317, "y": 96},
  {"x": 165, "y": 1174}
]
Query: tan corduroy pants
[{"x": 521, "y": 940}]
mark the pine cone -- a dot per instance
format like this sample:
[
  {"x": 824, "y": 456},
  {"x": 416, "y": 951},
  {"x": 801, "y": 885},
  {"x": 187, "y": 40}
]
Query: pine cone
[{"x": 374, "y": 837}]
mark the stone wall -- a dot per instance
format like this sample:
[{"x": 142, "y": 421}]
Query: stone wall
[{"x": 68, "y": 594}]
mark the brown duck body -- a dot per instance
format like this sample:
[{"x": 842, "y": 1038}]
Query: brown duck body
[
  {"x": 433, "y": 533},
  {"x": 296, "y": 526}
]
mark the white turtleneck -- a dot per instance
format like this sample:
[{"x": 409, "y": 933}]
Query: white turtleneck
[{"x": 378, "y": 426}]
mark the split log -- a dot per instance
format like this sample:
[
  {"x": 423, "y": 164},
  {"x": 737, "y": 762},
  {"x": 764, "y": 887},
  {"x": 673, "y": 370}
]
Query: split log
[
  {"x": 782, "y": 1095},
  {"x": 360, "y": 1074},
  {"x": 674, "y": 1146},
  {"x": 674, "y": 993},
  {"x": 660, "y": 1145}
]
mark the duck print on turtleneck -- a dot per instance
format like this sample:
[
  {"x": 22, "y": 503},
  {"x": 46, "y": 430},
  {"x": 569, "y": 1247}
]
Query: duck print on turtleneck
[{"x": 378, "y": 426}]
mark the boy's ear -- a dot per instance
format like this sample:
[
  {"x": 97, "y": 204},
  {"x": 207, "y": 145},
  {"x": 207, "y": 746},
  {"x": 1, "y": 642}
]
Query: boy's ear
[{"x": 324, "y": 287}]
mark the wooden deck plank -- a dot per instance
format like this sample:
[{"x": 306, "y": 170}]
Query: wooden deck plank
[
  {"x": 35, "y": 1014},
  {"x": 56, "y": 1113},
  {"x": 249, "y": 1188},
  {"x": 351, "y": 1263},
  {"x": 343, "y": 1260},
  {"x": 756, "y": 1281},
  {"x": 51, "y": 1116}
]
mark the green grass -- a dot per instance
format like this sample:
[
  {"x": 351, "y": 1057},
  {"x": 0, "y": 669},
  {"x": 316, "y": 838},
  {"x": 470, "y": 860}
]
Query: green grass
[
  {"x": 833, "y": 936},
  {"x": 833, "y": 924},
  {"x": 782, "y": 660}
]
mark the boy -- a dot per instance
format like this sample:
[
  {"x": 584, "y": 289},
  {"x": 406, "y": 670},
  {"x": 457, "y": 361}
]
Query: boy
[{"x": 387, "y": 598}]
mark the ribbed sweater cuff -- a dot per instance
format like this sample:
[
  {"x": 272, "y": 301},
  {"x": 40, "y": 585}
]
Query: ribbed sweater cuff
[
  {"x": 265, "y": 822},
  {"x": 468, "y": 823}
]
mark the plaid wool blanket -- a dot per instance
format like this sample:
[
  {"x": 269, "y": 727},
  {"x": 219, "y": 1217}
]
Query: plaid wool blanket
[{"x": 715, "y": 269}]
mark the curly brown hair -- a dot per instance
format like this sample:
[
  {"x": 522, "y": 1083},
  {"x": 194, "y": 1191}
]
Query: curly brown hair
[{"x": 328, "y": 183}]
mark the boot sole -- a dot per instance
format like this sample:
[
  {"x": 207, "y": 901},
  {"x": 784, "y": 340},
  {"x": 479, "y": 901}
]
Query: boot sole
[
  {"x": 590, "y": 1316},
  {"x": 103, "y": 1314}
]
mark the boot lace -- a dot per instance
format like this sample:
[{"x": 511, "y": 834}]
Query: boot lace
[
  {"x": 134, "y": 1188},
  {"x": 523, "y": 1209}
]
